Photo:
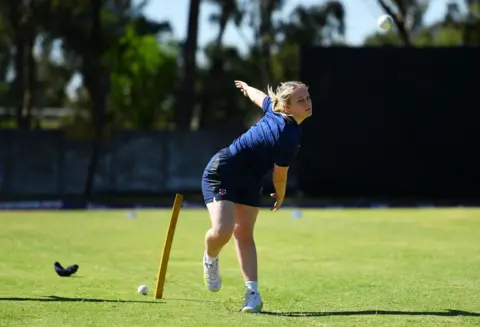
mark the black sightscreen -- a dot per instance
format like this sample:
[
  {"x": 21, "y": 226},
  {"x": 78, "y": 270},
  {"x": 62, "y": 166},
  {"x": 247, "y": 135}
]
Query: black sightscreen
[{"x": 391, "y": 122}]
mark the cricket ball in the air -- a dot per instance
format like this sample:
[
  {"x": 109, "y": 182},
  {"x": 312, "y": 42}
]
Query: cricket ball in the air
[
  {"x": 385, "y": 22},
  {"x": 142, "y": 290}
]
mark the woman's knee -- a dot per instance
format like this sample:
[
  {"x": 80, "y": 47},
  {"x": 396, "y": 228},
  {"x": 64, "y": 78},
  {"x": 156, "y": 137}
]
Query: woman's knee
[
  {"x": 222, "y": 215},
  {"x": 222, "y": 231},
  {"x": 246, "y": 217},
  {"x": 243, "y": 234}
]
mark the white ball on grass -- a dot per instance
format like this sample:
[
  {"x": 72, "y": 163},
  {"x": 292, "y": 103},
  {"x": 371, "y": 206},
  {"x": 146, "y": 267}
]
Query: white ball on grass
[
  {"x": 385, "y": 22},
  {"x": 142, "y": 290}
]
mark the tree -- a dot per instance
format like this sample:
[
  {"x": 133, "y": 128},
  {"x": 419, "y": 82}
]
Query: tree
[
  {"x": 319, "y": 25},
  {"x": 29, "y": 78},
  {"x": 222, "y": 106},
  {"x": 24, "y": 32},
  {"x": 88, "y": 30},
  {"x": 315, "y": 25},
  {"x": 213, "y": 82},
  {"x": 454, "y": 29},
  {"x": 471, "y": 24},
  {"x": 53, "y": 76},
  {"x": 144, "y": 72},
  {"x": 264, "y": 30},
  {"x": 407, "y": 16},
  {"x": 6, "y": 44},
  {"x": 228, "y": 11},
  {"x": 186, "y": 96}
]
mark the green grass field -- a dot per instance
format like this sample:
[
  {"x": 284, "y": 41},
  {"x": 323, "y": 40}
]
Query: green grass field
[{"x": 341, "y": 268}]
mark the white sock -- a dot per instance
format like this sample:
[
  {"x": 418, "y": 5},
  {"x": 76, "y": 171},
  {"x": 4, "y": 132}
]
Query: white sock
[
  {"x": 252, "y": 286},
  {"x": 210, "y": 259}
]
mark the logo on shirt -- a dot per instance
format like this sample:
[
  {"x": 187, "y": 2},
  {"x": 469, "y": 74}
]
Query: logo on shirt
[{"x": 222, "y": 191}]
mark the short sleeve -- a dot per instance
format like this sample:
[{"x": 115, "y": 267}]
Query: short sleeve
[
  {"x": 267, "y": 105},
  {"x": 285, "y": 153}
]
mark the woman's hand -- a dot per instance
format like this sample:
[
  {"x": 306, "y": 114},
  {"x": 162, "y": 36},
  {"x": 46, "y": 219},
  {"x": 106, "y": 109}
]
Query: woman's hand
[
  {"x": 255, "y": 95},
  {"x": 242, "y": 86},
  {"x": 278, "y": 202}
]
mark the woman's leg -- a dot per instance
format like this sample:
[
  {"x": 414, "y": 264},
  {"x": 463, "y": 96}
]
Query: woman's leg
[
  {"x": 245, "y": 218},
  {"x": 222, "y": 216}
]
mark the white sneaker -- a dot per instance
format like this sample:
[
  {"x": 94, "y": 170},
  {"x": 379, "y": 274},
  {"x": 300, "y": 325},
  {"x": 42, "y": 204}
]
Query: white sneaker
[
  {"x": 211, "y": 275},
  {"x": 253, "y": 303}
]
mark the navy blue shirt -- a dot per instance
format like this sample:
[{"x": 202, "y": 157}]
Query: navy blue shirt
[{"x": 272, "y": 140}]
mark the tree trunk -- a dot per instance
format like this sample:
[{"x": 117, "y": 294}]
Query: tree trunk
[
  {"x": 97, "y": 82},
  {"x": 19, "y": 82},
  {"x": 400, "y": 20},
  {"x": 266, "y": 38},
  {"x": 208, "y": 94},
  {"x": 29, "y": 91},
  {"x": 19, "y": 17},
  {"x": 186, "y": 98}
]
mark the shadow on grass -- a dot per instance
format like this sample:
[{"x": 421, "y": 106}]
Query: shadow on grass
[
  {"x": 448, "y": 313},
  {"x": 193, "y": 300},
  {"x": 53, "y": 298}
]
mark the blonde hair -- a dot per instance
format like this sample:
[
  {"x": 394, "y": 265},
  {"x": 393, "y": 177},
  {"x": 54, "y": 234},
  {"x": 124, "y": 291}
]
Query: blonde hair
[{"x": 282, "y": 96}]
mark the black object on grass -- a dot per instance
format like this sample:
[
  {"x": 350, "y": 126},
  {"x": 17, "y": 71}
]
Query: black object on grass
[{"x": 64, "y": 272}]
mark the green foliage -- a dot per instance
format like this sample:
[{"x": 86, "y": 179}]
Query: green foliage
[
  {"x": 117, "y": 41},
  {"x": 143, "y": 75},
  {"x": 436, "y": 35},
  {"x": 220, "y": 103},
  {"x": 98, "y": 39},
  {"x": 307, "y": 26},
  {"x": 440, "y": 36},
  {"x": 52, "y": 78},
  {"x": 315, "y": 25},
  {"x": 383, "y": 39},
  {"x": 143, "y": 66}
]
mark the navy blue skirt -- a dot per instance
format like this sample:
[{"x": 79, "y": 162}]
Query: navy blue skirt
[{"x": 225, "y": 178}]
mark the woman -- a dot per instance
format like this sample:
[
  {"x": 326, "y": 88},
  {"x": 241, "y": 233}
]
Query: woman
[{"x": 232, "y": 180}]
